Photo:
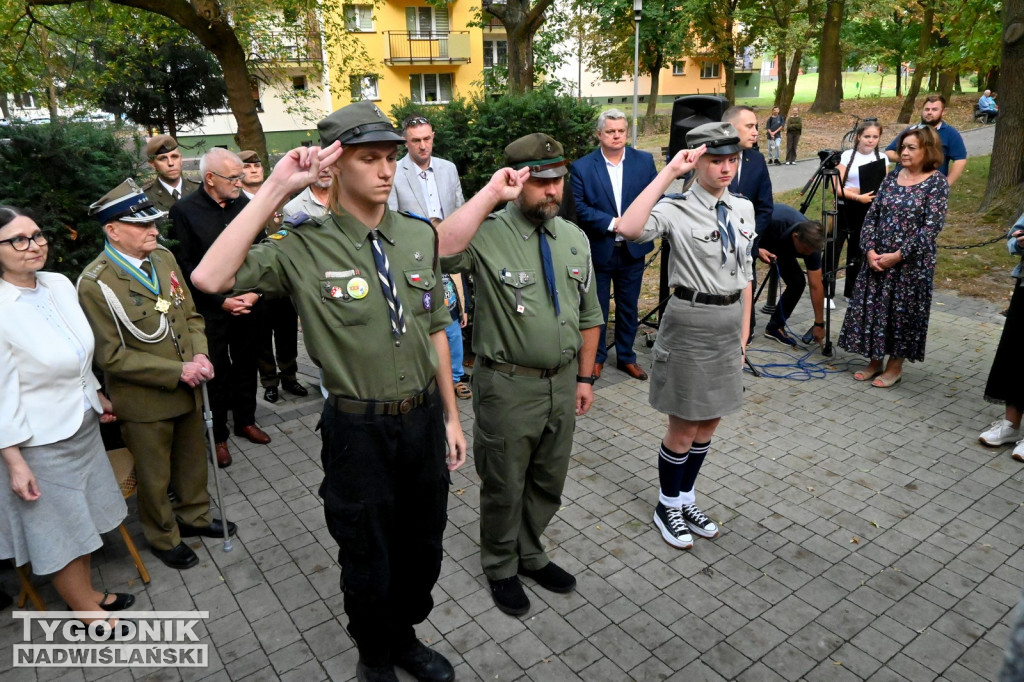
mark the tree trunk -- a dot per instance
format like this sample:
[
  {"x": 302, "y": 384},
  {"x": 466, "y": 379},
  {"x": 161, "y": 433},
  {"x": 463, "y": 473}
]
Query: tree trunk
[
  {"x": 520, "y": 62},
  {"x": 946, "y": 82},
  {"x": 4, "y": 109},
  {"x": 652, "y": 98},
  {"x": 958, "y": 87},
  {"x": 991, "y": 80},
  {"x": 909, "y": 103},
  {"x": 1006, "y": 170},
  {"x": 830, "y": 61},
  {"x": 52, "y": 101},
  {"x": 899, "y": 80},
  {"x": 781, "y": 65},
  {"x": 521, "y": 22},
  {"x": 794, "y": 71}
]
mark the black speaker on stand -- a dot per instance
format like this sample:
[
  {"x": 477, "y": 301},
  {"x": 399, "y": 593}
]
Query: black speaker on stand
[{"x": 688, "y": 112}]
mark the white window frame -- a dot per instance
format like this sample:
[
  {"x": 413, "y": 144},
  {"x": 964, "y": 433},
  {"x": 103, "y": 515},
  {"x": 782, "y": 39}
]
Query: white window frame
[
  {"x": 679, "y": 68},
  {"x": 364, "y": 87},
  {"x": 491, "y": 50},
  {"x": 714, "y": 67},
  {"x": 421, "y": 96},
  {"x": 363, "y": 18}
]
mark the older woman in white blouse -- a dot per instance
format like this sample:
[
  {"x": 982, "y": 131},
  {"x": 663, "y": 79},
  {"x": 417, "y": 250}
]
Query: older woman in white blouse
[{"x": 62, "y": 493}]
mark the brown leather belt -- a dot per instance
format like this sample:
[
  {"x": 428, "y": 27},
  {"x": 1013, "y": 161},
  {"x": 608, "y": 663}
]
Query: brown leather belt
[
  {"x": 692, "y": 296},
  {"x": 387, "y": 407},
  {"x": 519, "y": 370}
]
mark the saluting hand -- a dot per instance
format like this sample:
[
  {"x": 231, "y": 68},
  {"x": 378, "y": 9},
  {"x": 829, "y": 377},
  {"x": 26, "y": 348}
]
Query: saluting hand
[
  {"x": 685, "y": 160},
  {"x": 507, "y": 183},
  {"x": 298, "y": 169}
]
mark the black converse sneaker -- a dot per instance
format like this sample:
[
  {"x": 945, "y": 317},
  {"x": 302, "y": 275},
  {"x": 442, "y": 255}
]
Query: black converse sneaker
[
  {"x": 669, "y": 521},
  {"x": 698, "y": 521}
]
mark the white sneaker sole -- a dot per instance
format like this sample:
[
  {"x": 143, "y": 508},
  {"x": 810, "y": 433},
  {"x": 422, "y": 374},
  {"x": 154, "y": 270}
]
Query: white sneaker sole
[
  {"x": 997, "y": 443},
  {"x": 668, "y": 537},
  {"x": 700, "y": 531}
]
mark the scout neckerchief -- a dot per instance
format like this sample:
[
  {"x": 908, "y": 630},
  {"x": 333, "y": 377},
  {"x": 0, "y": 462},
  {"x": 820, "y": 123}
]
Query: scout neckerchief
[
  {"x": 150, "y": 281},
  {"x": 549, "y": 269}
]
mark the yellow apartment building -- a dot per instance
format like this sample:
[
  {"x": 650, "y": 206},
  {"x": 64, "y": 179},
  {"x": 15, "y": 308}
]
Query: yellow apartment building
[{"x": 426, "y": 53}]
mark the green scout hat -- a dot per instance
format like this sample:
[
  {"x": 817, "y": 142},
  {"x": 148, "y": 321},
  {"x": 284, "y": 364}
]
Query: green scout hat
[
  {"x": 542, "y": 153},
  {"x": 160, "y": 144},
  {"x": 126, "y": 203},
  {"x": 720, "y": 138},
  {"x": 357, "y": 123}
]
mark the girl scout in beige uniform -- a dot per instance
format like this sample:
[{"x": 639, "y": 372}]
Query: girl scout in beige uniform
[{"x": 697, "y": 375}]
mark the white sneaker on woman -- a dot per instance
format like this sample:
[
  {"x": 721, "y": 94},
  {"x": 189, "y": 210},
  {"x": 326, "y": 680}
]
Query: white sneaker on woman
[{"x": 1000, "y": 432}]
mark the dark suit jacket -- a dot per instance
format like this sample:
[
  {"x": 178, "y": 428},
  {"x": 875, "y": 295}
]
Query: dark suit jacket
[
  {"x": 196, "y": 222},
  {"x": 595, "y": 201},
  {"x": 756, "y": 185}
]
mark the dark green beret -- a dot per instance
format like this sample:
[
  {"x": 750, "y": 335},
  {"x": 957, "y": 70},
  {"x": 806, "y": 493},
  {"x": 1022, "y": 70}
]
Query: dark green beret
[
  {"x": 542, "y": 153},
  {"x": 357, "y": 123}
]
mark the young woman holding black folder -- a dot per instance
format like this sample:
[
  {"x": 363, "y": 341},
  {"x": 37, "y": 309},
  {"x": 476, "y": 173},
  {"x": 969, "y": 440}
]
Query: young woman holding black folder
[{"x": 862, "y": 170}]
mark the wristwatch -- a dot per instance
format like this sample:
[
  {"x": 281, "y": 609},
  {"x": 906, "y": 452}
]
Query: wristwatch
[{"x": 585, "y": 380}]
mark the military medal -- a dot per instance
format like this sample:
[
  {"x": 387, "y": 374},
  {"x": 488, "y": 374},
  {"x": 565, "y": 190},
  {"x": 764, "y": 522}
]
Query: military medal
[
  {"x": 358, "y": 288},
  {"x": 177, "y": 293},
  {"x": 162, "y": 305}
]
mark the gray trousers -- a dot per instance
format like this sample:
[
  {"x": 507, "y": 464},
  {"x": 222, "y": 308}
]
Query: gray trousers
[{"x": 522, "y": 439}]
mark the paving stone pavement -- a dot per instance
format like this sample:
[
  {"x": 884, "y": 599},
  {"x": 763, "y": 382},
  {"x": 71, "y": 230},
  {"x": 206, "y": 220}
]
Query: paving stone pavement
[{"x": 866, "y": 535}]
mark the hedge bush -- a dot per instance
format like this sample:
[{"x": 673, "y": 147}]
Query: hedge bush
[
  {"x": 473, "y": 133},
  {"x": 54, "y": 172}
]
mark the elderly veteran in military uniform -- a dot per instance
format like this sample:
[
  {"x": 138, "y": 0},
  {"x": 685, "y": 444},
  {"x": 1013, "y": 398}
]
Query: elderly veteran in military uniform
[
  {"x": 367, "y": 287},
  {"x": 170, "y": 184},
  {"x": 537, "y": 326},
  {"x": 152, "y": 351},
  {"x": 698, "y": 356}
]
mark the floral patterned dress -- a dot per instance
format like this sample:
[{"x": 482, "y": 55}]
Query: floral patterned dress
[{"x": 889, "y": 310}]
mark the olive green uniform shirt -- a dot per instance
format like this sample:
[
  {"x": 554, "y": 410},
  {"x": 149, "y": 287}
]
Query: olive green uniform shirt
[
  {"x": 326, "y": 266},
  {"x": 515, "y": 318}
]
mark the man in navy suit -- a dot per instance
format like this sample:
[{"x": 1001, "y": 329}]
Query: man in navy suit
[
  {"x": 752, "y": 181},
  {"x": 604, "y": 183}
]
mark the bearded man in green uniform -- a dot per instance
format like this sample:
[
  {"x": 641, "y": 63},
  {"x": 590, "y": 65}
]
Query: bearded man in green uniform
[
  {"x": 366, "y": 284},
  {"x": 152, "y": 350},
  {"x": 537, "y": 325}
]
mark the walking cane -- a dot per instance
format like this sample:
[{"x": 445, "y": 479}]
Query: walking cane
[{"x": 208, "y": 418}]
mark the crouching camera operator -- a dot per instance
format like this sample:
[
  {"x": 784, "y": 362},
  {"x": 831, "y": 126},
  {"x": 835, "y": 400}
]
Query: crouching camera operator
[{"x": 790, "y": 235}]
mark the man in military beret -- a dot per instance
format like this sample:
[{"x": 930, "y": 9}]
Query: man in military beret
[
  {"x": 151, "y": 348},
  {"x": 367, "y": 287},
  {"x": 538, "y": 321},
  {"x": 234, "y": 321},
  {"x": 170, "y": 184},
  {"x": 252, "y": 172}
]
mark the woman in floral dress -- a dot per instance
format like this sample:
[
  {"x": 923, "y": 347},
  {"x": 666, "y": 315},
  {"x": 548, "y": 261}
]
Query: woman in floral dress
[{"x": 892, "y": 297}]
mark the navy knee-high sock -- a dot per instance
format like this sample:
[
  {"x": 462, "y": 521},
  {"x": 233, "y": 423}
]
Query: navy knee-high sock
[
  {"x": 694, "y": 460},
  {"x": 671, "y": 466}
]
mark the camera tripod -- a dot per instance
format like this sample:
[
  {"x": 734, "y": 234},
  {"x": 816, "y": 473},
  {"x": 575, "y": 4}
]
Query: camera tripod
[{"x": 827, "y": 176}]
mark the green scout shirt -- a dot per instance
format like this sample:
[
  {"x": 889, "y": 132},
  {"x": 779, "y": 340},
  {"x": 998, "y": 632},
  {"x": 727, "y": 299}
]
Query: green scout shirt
[
  {"x": 326, "y": 266},
  {"x": 515, "y": 318}
]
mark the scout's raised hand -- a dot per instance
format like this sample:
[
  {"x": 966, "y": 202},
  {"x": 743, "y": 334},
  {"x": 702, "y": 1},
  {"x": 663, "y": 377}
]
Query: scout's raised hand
[
  {"x": 507, "y": 183},
  {"x": 298, "y": 168},
  {"x": 685, "y": 160}
]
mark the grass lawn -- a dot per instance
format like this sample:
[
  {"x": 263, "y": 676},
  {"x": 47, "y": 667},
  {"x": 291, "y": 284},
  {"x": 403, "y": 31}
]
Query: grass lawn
[{"x": 856, "y": 85}]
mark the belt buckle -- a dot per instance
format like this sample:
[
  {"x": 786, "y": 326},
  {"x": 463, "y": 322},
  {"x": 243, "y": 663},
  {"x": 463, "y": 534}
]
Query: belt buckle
[
  {"x": 693, "y": 296},
  {"x": 406, "y": 406}
]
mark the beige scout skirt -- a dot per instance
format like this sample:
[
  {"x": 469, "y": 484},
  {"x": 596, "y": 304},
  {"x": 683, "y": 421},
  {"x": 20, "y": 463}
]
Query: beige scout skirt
[{"x": 697, "y": 372}]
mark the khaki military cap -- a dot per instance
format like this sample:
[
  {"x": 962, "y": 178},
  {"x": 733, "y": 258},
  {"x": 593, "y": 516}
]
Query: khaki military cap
[
  {"x": 720, "y": 138},
  {"x": 126, "y": 203},
  {"x": 357, "y": 123}
]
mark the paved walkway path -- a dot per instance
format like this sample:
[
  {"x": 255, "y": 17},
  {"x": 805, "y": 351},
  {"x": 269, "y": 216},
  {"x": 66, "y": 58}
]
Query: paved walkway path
[{"x": 866, "y": 535}]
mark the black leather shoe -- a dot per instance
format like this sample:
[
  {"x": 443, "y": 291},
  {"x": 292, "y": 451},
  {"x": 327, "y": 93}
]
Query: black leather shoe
[
  {"x": 384, "y": 673},
  {"x": 425, "y": 664},
  {"x": 295, "y": 388},
  {"x": 270, "y": 394},
  {"x": 552, "y": 577},
  {"x": 214, "y": 530},
  {"x": 509, "y": 596},
  {"x": 121, "y": 601},
  {"x": 180, "y": 557}
]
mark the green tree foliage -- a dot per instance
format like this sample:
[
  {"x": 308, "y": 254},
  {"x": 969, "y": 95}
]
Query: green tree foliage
[
  {"x": 473, "y": 133},
  {"x": 663, "y": 39},
  {"x": 165, "y": 84},
  {"x": 54, "y": 172}
]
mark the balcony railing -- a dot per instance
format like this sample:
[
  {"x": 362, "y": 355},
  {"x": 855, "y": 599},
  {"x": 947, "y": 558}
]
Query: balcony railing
[
  {"x": 286, "y": 45},
  {"x": 404, "y": 47}
]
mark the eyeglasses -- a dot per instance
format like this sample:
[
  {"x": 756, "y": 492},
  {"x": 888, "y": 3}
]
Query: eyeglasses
[
  {"x": 230, "y": 178},
  {"x": 417, "y": 121},
  {"x": 21, "y": 243},
  {"x": 919, "y": 126}
]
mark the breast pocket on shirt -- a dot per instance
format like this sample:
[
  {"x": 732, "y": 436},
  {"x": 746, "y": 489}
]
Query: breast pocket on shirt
[
  {"x": 580, "y": 276},
  {"x": 708, "y": 244},
  {"x": 142, "y": 313},
  {"x": 522, "y": 293},
  {"x": 347, "y": 301},
  {"x": 422, "y": 283}
]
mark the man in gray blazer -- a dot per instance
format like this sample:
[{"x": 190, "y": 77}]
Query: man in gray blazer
[{"x": 429, "y": 187}]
